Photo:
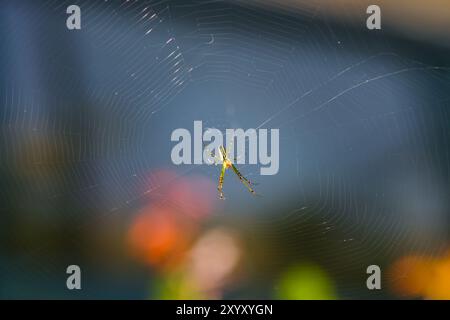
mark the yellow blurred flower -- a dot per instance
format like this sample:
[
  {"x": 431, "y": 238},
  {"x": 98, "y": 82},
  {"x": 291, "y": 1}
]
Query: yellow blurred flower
[{"x": 305, "y": 282}]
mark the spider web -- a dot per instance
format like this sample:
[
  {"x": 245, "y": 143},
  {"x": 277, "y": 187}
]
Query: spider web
[{"x": 364, "y": 123}]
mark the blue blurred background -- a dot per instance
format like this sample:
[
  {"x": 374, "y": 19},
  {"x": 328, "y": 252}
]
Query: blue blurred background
[{"x": 87, "y": 179}]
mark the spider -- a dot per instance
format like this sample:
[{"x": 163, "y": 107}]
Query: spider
[{"x": 226, "y": 164}]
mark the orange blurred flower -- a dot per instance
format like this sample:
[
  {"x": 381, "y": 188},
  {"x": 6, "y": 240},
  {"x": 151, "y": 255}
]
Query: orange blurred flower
[
  {"x": 161, "y": 234},
  {"x": 421, "y": 276},
  {"x": 439, "y": 286},
  {"x": 410, "y": 275},
  {"x": 159, "y": 237}
]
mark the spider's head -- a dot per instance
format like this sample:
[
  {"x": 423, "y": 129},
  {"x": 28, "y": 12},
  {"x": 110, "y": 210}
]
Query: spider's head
[{"x": 228, "y": 163}]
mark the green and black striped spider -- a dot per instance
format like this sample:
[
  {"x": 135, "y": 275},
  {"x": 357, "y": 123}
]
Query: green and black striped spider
[{"x": 226, "y": 164}]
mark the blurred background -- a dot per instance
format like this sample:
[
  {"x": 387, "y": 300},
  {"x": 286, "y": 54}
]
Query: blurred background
[{"x": 87, "y": 179}]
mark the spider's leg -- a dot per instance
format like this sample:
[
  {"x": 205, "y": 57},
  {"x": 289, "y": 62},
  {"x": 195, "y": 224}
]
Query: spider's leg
[
  {"x": 239, "y": 174},
  {"x": 223, "y": 153},
  {"x": 222, "y": 175},
  {"x": 246, "y": 182}
]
